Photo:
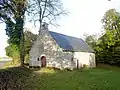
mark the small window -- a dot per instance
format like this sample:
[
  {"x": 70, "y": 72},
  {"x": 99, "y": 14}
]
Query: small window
[
  {"x": 38, "y": 59},
  {"x": 72, "y": 59}
]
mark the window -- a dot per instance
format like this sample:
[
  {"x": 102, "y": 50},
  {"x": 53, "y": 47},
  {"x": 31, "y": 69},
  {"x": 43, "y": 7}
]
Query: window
[
  {"x": 38, "y": 59},
  {"x": 72, "y": 59}
]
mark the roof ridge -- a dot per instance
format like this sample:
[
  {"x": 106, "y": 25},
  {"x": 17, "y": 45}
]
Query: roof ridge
[{"x": 66, "y": 35}]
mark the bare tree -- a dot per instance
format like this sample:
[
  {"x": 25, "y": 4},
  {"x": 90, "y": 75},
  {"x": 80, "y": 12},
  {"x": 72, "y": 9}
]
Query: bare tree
[{"x": 45, "y": 11}]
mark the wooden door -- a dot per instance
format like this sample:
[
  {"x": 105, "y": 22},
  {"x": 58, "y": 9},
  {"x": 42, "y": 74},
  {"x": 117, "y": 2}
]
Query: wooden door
[{"x": 43, "y": 61}]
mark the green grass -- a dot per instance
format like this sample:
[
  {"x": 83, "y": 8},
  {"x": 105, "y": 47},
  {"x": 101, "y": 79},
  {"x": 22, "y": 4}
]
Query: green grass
[{"x": 105, "y": 78}]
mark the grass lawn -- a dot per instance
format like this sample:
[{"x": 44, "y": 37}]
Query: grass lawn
[{"x": 18, "y": 78}]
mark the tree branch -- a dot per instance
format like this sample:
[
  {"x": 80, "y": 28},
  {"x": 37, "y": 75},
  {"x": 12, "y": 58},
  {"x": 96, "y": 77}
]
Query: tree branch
[{"x": 44, "y": 9}]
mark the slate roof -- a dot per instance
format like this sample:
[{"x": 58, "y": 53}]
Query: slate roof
[{"x": 70, "y": 43}]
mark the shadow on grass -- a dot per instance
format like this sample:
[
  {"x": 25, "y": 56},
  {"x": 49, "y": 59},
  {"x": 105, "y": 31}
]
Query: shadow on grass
[
  {"x": 22, "y": 78},
  {"x": 14, "y": 78},
  {"x": 108, "y": 67}
]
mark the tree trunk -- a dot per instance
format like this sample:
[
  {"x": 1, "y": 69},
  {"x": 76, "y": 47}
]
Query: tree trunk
[
  {"x": 22, "y": 49},
  {"x": 19, "y": 27},
  {"x": 40, "y": 23}
]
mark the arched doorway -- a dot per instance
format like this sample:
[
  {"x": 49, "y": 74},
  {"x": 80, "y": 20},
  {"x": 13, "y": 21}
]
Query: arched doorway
[{"x": 43, "y": 61}]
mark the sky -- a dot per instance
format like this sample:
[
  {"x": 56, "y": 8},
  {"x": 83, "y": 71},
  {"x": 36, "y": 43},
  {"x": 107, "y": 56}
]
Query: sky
[{"x": 84, "y": 17}]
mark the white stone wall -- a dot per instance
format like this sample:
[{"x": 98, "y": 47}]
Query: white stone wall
[
  {"x": 35, "y": 52},
  {"x": 46, "y": 46},
  {"x": 85, "y": 58},
  {"x": 54, "y": 55}
]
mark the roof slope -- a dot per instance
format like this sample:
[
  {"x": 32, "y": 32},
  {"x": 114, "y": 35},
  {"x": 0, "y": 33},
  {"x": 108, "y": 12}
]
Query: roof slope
[{"x": 70, "y": 43}]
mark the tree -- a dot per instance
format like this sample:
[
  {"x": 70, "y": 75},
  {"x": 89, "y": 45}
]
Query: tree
[
  {"x": 91, "y": 40},
  {"x": 111, "y": 21},
  {"x": 13, "y": 50},
  {"x": 12, "y": 12},
  {"x": 45, "y": 11},
  {"x": 108, "y": 46}
]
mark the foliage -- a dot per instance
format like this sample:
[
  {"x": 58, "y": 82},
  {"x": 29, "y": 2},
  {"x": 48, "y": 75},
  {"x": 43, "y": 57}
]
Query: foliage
[
  {"x": 110, "y": 41},
  {"x": 107, "y": 47},
  {"x": 12, "y": 12},
  {"x": 90, "y": 40},
  {"x": 13, "y": 50}
]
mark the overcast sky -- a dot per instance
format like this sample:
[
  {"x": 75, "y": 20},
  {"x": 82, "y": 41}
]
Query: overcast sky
[{"x": 84, "y": 17}]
